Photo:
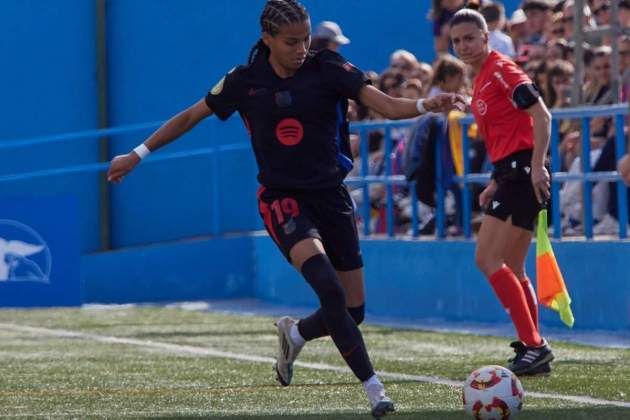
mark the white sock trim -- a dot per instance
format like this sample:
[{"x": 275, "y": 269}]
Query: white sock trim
[{"x": 372, "y": 381}]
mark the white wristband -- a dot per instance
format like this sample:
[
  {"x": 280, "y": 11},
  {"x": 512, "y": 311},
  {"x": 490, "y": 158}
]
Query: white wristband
[
  {"x": 142, "y": 151},
  {"x": 420, "y": 106}
]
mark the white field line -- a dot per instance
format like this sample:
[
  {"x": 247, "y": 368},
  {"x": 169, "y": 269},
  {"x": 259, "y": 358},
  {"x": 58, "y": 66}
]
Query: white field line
[{"x": 202, "y": 351}]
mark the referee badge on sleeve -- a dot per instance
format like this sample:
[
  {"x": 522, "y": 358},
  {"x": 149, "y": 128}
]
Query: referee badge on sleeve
[{"x": 218, "y": 88}]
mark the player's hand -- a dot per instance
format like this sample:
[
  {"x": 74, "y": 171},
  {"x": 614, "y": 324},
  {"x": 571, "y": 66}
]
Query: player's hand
[
  {"x": 445, "y": 102},
  {"x": 487, "y": 194},
  {"x": 624, "y": 168},
  {"x": 541, "y": 183},
  {"x": 121, "y": 165}
]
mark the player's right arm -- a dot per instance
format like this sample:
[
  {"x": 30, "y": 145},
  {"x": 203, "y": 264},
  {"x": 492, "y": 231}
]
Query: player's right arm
[
  {"x": 174, "y": 128},
  {"x": 487, "y": 194}
]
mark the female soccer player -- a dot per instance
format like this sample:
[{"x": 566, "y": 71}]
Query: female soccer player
[
  {"x": 515, "y": 125},
  {"x": 294, "y": 106}
]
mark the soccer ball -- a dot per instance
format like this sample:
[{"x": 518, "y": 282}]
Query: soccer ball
[{"x": 493, "y": 392}]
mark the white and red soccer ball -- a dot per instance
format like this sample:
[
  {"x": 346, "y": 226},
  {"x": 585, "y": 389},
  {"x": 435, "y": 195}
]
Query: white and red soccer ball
[{"x": 493, "y": 393}]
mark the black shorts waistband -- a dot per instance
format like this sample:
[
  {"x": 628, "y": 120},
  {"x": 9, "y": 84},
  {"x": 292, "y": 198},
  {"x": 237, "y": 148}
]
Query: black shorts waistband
[{"x": 520, "y": 157}]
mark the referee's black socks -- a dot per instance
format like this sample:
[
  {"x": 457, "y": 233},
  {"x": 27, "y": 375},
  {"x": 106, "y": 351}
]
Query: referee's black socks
[{"x": 320, "y": 274}]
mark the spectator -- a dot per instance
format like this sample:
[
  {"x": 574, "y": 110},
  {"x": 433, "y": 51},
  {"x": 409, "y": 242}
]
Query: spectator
[
  {"x": 530, "y": 52},
  {"x": 567, "y": 18},
  {"x": 448, "y": 76},
  {"x": 559, "y": 87},
  {"x": 518, "y": 27},
  {"x": 624, "y": 61},
  {"x": 601, "y": 11},
  {"x": 558, "y": 50},
  {"x": 599, "y": 90},
  {"x": 328, "y": 35},
  {"x": 588, "y": 57},
  {"x": 557, "y": 27},
  {"x": 412, "y": 89},
  {"x": 391, "y": 83},
  {"x": 539, "y": 78},
  {"x": 559, "y": 83},
  {"x": 423, "y": 72},
  {"x": 539, "y": 15},
  {"x": 624, "y": 13},
  {"x": 404, "y": 62},
  {"x": 441, "y": 14},
  {"x": 494, "y": 13}
]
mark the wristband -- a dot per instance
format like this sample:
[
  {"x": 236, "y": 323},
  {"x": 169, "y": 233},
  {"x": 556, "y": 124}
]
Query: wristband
[
  {"x": 142, "y": 151},
  {"x": 420, "y": 106}
]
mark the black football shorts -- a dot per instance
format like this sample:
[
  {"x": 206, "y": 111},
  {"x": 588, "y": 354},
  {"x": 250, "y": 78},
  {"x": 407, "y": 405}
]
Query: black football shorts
[
  {"x": 515, "y": 195},
  {"x": 291, "y": 216}
]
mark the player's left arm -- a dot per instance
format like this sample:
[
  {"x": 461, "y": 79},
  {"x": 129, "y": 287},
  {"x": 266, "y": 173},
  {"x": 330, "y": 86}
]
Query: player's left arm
[
  {"x": 401, "y": 108},
  {"x": 542, "y": 133}
]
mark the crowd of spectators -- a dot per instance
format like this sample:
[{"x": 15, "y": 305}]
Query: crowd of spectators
[{"x": 539, "y": 37}]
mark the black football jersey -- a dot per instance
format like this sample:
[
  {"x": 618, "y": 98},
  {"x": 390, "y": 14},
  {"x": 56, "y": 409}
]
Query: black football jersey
[{"x": 297, "y": 125}]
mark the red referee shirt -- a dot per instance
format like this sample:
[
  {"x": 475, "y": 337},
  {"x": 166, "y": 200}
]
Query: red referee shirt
[{"x": 504, "y": 127}]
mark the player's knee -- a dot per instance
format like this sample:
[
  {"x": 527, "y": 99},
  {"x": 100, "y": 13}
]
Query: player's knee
[
  {"x": 487, "y": 264},
  {"x": 480, "y": 260},
  {"x": 357, "y": 313}
]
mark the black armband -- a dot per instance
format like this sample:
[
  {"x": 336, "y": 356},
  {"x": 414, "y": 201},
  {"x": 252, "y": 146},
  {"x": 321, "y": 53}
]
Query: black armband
[{"x": 525, "y": 95}]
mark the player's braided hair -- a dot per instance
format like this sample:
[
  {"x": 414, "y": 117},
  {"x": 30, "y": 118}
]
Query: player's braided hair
[{"x": 275, "y": 14}]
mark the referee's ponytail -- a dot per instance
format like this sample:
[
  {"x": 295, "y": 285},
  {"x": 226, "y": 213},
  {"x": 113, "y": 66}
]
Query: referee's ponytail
[{"x": 275, "y": 14}]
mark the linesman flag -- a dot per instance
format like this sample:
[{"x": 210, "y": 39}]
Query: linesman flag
[{"x": 552, "y": 291}]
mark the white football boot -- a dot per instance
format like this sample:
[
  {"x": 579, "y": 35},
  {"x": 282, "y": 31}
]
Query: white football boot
[
  {"x": 287, "y": 351},
  {"x": 380, "y": 403}
]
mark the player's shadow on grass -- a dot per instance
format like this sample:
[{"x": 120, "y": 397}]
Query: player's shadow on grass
[{"x": 586, "y": 413}]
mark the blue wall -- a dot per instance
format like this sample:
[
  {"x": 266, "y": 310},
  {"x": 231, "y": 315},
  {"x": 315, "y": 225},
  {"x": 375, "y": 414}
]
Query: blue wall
[
  {"x": 48, "y": 64},
  {"x": 162, "y": 56},
  {"x": 177, "y": 271},
  {"x": 438, "y": 280},
  {"x": 49, "y": 86},
  {"x": 405, "y": 279}
]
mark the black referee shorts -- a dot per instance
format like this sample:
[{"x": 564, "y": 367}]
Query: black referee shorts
[
  {"x": 291, "y": 216},
  {"x": 515, "y": 195}
]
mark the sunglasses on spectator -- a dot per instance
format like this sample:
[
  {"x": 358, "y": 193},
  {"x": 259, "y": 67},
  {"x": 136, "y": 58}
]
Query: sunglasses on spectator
[
  {"x": 624, "y": 52},
  {"x": 558, "y": 31},
  {"x": 603, "y": 8}
]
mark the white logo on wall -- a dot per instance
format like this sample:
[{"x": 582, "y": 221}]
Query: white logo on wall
[{"x": 24, "y": 255}]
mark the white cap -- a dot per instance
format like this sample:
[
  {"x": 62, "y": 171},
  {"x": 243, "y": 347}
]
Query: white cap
[
  {"x": 518, "y": 17},
  {"x": 331, "y": 31}
]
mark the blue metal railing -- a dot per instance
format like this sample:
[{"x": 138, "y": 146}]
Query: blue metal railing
[
  {"x": 587, "y": 177},
  {"x": 365, "y": 180},
  {"x": 388, "y": 179}
]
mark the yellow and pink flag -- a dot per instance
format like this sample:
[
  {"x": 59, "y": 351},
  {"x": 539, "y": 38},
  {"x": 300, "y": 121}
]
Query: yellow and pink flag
[{"x": 552, "y": 292}]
